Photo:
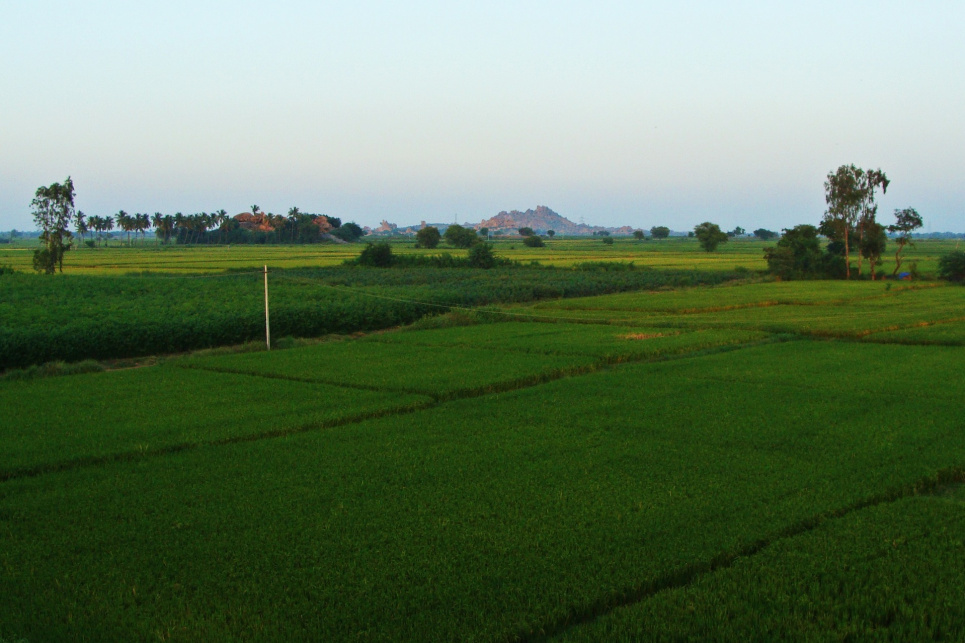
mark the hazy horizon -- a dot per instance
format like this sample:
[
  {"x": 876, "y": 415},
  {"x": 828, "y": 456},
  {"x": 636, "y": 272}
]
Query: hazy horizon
[{"x": 620, "y": 114}]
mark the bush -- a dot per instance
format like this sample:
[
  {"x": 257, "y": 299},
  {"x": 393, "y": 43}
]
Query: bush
[
  {"x": 533, "y": 242},
  {"x": 607, "y": 241},
  {"x": 7, "y": 270},
  {"x": 460, "y": 237},
  {"x": 951, "y": 267},
  {"x": 481, "y": 256},
  {"x": 378, "y": 255}
]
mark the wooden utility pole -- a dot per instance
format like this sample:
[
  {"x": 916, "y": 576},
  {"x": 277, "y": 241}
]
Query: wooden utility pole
[{"x": 267, "y": 327}]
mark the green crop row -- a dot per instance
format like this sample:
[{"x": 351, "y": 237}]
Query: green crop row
[
  {"x": 57, "y": 421},
  {"x": 890, "y": 572},
  {"x": 761, "y": 309},
  {"x": 498, "y": 517},
  {"x": 72, "y": 318}
]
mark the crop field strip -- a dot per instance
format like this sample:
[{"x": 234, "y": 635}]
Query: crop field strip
[
  {"x": 547, "y": 509},
  {"x": 83, "y": 317},
  {"x": 823, "y": 583},
  {"x": 35, "y": 433},
  {"x": 128, "y": 414},
  {"x": 852, "y": 318},
  {"x": 671, "y": 254}
]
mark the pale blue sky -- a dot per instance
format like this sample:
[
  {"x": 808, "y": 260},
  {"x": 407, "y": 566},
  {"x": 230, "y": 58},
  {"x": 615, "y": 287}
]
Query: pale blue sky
[{"x": 637, "y": 113}]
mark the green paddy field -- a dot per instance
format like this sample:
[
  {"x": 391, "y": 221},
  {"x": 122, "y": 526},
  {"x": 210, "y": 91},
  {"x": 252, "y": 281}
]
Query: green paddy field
[{"x": 686, "y": 456}]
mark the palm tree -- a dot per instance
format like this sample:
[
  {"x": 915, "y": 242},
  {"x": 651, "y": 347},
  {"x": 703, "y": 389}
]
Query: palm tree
[
  {"x": 143, "y": 223},
  {"x": 94, "y": 223},
  {"x": 220, "y": 219},
  {"x": 293, "y": 220},
  {"x": 124, "y": 223},
  {"x": 179, "y": 224},
  {"x": 80, "y": 224},
  {"x": 157, "y": 221},
  {"x": 108, "y": 225}
]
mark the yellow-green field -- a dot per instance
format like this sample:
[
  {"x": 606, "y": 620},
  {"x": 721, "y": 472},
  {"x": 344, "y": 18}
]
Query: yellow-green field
[{"x": 674, "y": 253}]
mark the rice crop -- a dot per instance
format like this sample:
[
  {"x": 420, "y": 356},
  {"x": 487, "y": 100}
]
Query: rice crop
[
  {"x": 507, "y": 516},
  {"x": 604, "y": 341},
  {"x": 56, "y": 421},
  {"x": 394, "y": 367},
  {"x": 888, "y": 572}
]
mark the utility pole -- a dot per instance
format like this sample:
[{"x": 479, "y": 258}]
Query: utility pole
[{"x": 267, "y": 327}]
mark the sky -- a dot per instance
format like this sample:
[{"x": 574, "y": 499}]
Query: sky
[{"x": 616, "y": 113}]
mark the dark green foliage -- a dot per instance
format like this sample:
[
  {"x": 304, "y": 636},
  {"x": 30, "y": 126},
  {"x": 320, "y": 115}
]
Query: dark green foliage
[
  {"x": 460, "y": 237},
  {"x": 709, "y": 235},
  {"x": 660, "y": 232},
  {"x": 607, "y": 241},
  {"x": 350, "y": 232},
  {"x": 797, "y": 255},
  {"x": 7, "y": 270},
  {"x": 533, "y": 241},
  {"x": 873, "y": 243},
  {"x": 951, "y": 267},
  {"x": 481, "y": 256},
  {"x": 526, "y": 231},
  {"x": 906, "y": 222},
  {"x": 639, "y": 235},
  {"x": 378, "y": 255},
  {"x": 53, "y": 211},
  {"x": 428, "y": 237},
  {"x": 765, "y": 235}
]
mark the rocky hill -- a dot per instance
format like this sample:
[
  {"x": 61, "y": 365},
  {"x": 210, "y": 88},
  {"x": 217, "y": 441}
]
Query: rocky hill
[{"x": 542, "y": 219}]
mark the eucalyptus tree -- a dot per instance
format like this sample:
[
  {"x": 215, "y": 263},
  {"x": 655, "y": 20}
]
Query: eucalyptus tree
[
  {"x": 868, "y": 226},
  {"x": 906, "y": 221},
  {"x": 843, "y": 193},
  {"x": 53, "y": 211}
]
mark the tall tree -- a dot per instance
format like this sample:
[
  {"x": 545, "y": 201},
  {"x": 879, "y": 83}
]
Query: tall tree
[
  {"x": 53, "y": 210},
  {"x": 906, "y": 221},
  {"x": 868, "y": 227},
  {"x": 843, "y": 192}
]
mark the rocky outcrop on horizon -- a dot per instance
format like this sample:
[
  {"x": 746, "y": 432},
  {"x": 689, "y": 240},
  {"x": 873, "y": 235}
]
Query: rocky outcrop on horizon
[{"x": 541, "y": 220}]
